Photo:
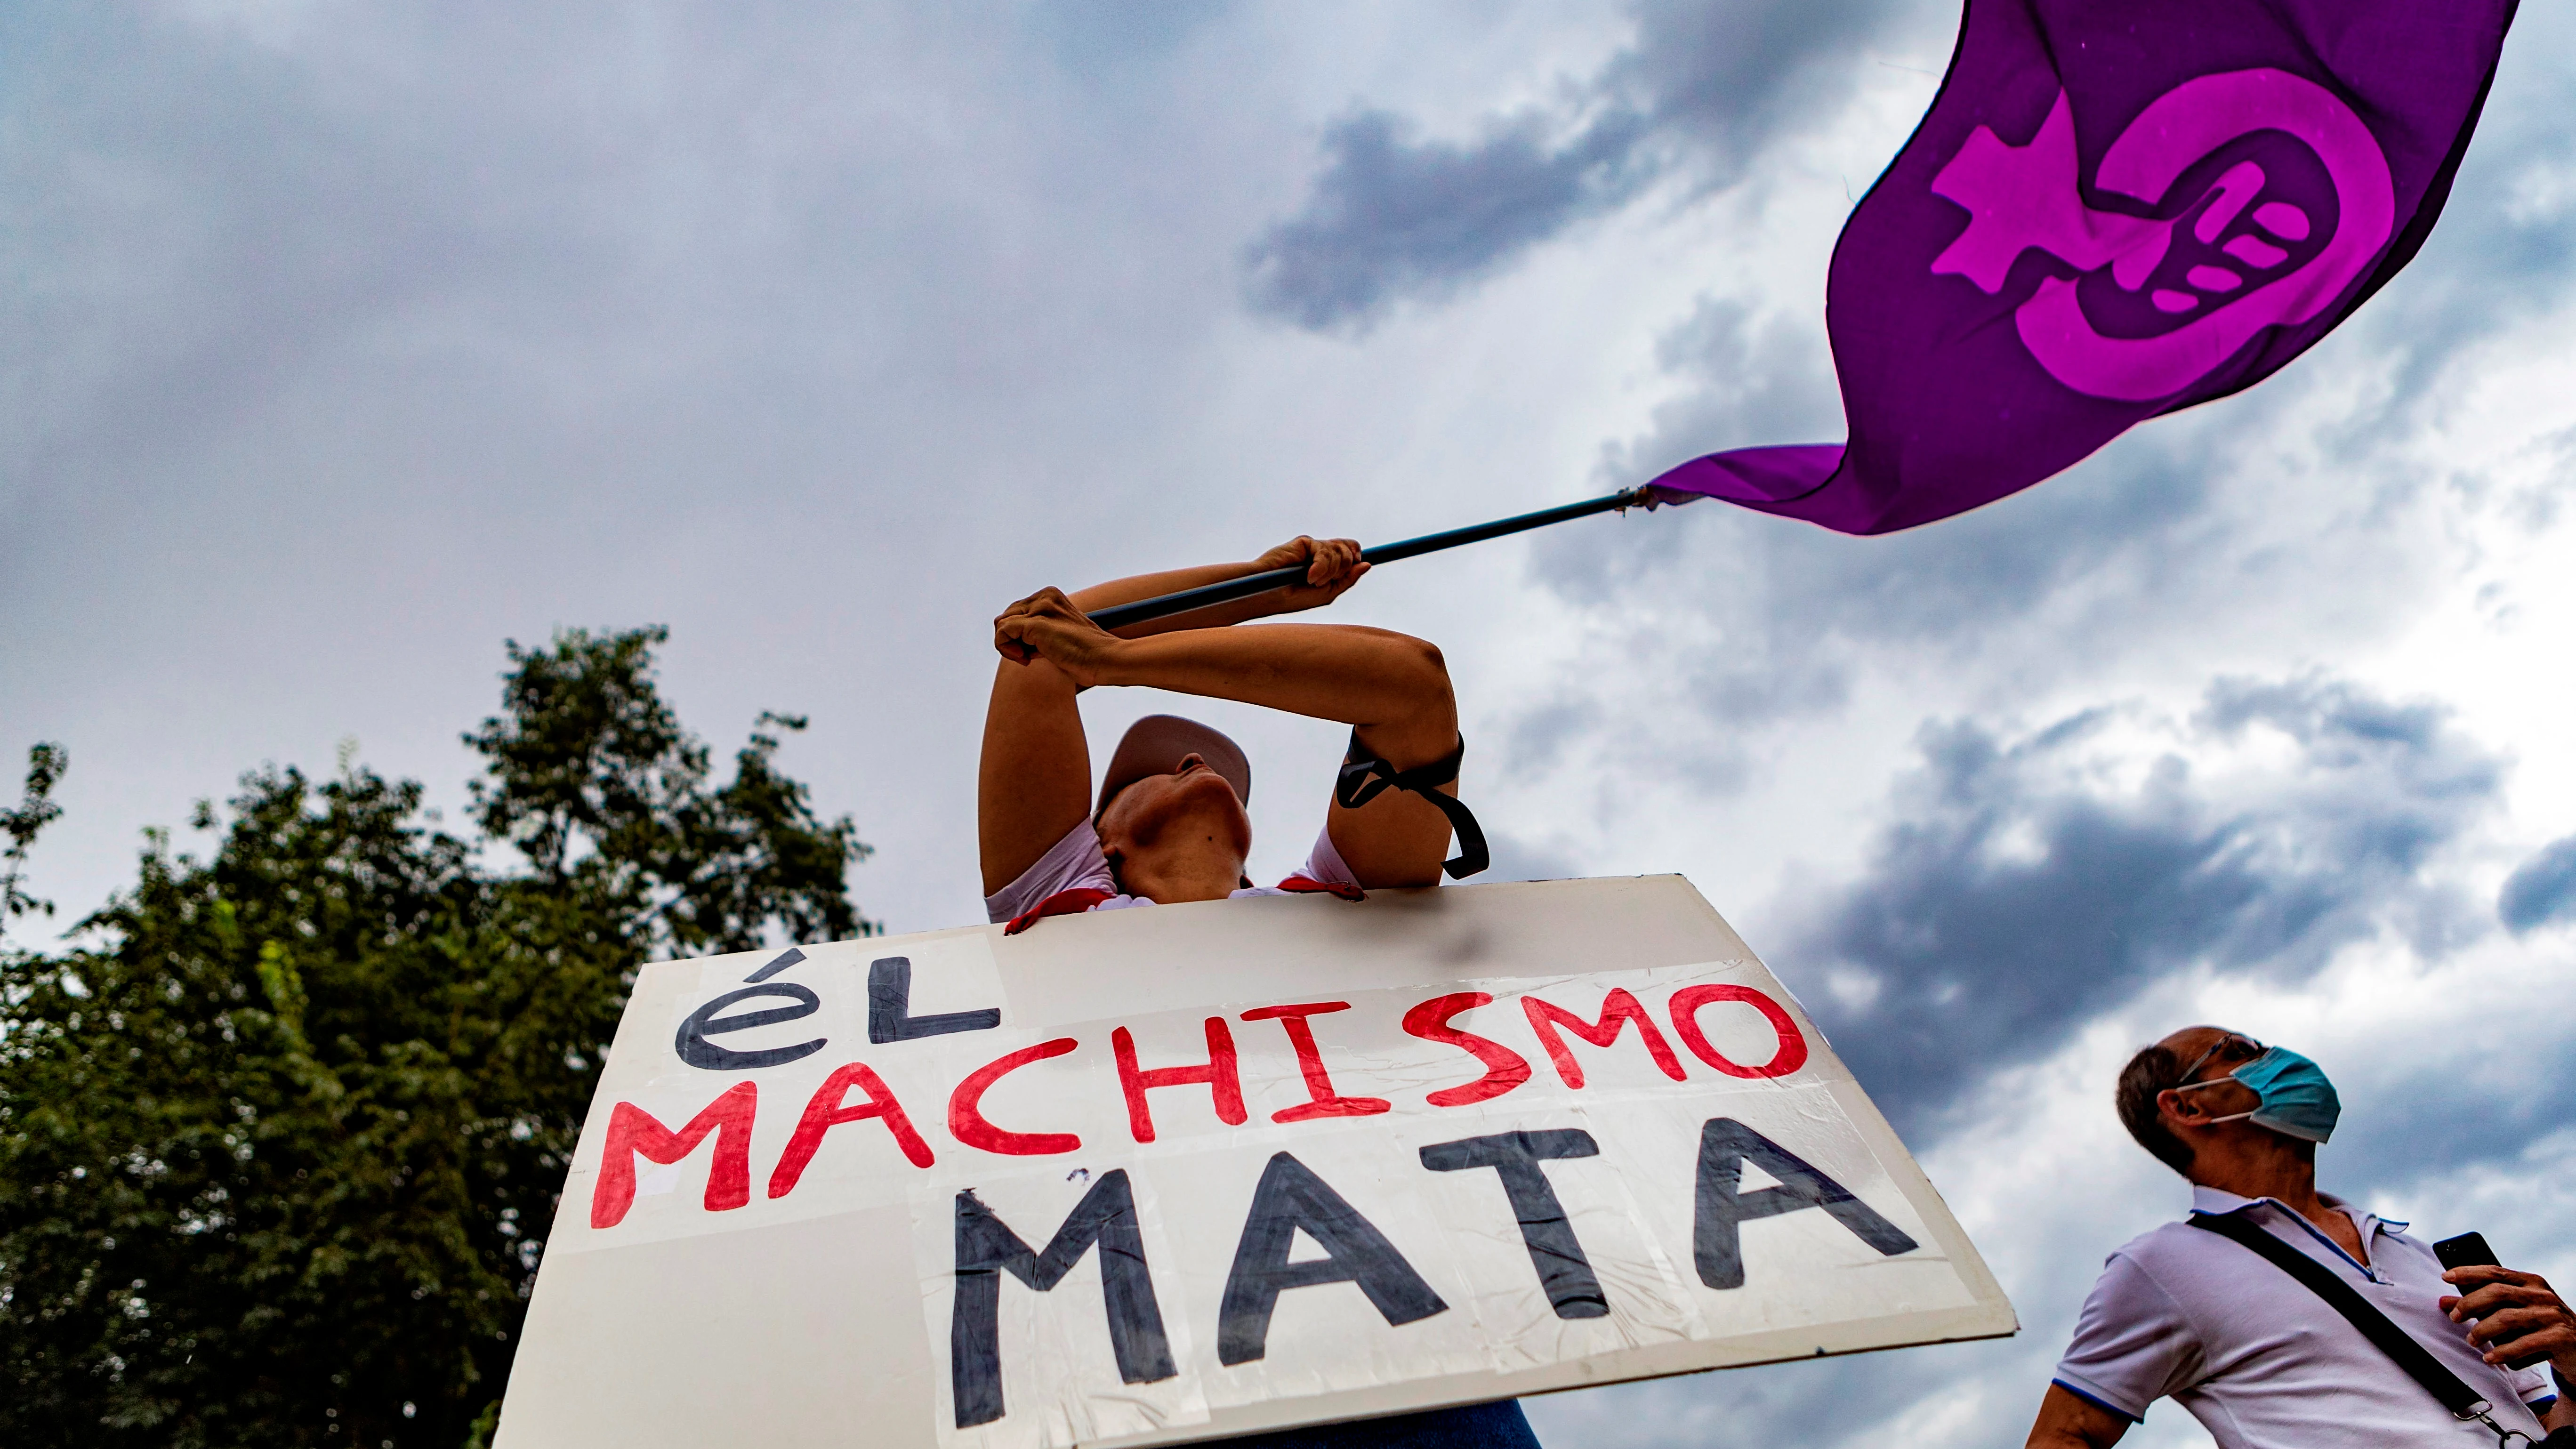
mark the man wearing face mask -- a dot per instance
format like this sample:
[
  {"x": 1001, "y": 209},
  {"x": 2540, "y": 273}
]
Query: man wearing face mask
[
  {"x": 2233, "y": 1312},
  {"x": 1169, "y": 825}
]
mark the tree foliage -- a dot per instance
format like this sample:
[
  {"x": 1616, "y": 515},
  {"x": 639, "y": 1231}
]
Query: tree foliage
[
  {"x": 45, "y": 766},
  {"x": 282, "y": 1134}
]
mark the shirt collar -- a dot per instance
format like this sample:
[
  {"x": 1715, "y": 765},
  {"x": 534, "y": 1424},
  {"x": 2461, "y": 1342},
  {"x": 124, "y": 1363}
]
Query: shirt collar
[
  {"x": 2218, "y": 1202},
  {"x": 2221, "y": 1204}
]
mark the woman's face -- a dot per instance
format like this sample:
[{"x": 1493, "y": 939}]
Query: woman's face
[{"x": 1192, "y": 808}]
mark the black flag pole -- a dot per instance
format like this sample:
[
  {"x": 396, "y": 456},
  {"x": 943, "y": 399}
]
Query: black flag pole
[{"x": 1119, "y": 616}]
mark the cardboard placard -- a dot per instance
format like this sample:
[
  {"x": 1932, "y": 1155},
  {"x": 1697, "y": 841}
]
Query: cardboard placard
[{"x": 1152, "y": 1176}]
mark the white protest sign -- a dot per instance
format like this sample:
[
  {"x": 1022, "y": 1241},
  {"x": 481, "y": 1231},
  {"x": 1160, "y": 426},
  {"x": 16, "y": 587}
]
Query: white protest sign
[{"x": 1152, "y": 1176}]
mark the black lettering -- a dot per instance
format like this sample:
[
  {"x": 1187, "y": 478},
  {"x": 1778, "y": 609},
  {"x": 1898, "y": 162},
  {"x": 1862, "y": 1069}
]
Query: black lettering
[
  {"x": 1291, "y": 1197},
  {"x": 987, "y": 1248},
  {"x": 1725, "y": 1145},
  {"x": 890, "y": 1015},
  {"x": 786, "y": 958},
  {"x": 1563, "y": 1271},
  {"x": 694, "y": 1048}
]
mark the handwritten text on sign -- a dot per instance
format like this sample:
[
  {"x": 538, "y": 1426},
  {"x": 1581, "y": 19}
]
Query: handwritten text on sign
[
  {"x": 1120, "y": 1225},
  {"x": 1202, "y": 1171}
]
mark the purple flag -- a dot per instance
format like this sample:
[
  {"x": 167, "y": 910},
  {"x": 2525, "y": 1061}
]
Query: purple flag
[{"x": 2115, "y": 210}]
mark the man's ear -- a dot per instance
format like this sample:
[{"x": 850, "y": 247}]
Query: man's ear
[{"x": 2176, "y": 1110}]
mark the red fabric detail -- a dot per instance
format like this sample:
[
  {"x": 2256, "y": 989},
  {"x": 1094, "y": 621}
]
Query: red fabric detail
[
  {"x": 1308, "y": 885},
  {"x": 1063, "y": 903}
]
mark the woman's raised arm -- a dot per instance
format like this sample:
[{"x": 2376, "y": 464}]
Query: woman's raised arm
[{"x": 1034, "y": 781}]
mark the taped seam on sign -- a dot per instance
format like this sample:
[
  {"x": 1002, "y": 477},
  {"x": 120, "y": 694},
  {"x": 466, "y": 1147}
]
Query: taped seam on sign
[
  {"x": 1720, "y": 1208},
  {"x": 1292, "y": 1199},
  {"x": 987, "y": 1248}
]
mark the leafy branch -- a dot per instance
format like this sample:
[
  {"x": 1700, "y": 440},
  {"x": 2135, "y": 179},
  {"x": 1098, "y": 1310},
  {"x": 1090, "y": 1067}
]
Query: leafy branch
[{"x": 35, "y": 810}]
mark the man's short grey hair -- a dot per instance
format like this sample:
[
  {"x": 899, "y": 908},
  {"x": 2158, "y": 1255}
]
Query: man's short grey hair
[{"x": 2152, "y": 1072}]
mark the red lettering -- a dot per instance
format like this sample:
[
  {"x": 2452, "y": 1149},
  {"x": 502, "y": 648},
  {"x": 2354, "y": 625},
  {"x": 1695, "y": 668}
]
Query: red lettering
[
  {"x": 1310, "y": 1065},
  {"x": 1504, "y": 1068},
  {"x": 966, "y": 1118},
  {"x": 1790, "y": 1055},
  {"x": 824, "y": 1111},
  {"x": 633, "y": 1131},
  {"x": 1224, "y": 1083},
  {"x": 1617, "y": 1010}
]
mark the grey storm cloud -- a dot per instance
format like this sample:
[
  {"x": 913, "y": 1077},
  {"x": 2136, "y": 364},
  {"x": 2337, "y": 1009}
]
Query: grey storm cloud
[
  {"x": 1812, "y": 1401},
  {"x": 1752, "y": 379},
  {"x": 2170, "y": 509},
  {"x": 1761, "y": 625},
  {"x": 2438, "y": 1121},
  {"x": 2015, "y": 895},
  {"x": 1518, "y": 858},
  {"x": 1394, "y": 215},
  {"x": 2542, "y": 890},
  {"x": 2149, "y": 504}
]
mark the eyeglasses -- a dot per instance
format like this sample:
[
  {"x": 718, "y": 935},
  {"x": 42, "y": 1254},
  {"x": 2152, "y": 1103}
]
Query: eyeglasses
[{"x": 2238, "y": 1049}]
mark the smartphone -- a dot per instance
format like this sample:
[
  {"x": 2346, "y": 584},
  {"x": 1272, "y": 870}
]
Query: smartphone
[{"x": 2470, "y": 1250}]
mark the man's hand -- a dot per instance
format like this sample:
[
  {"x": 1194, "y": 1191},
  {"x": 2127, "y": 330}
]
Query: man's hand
[
  {"x": 1332, "y": 566},
  {"x": 2517, "y": 1315},
  {"x": 1046, "y": 624}
]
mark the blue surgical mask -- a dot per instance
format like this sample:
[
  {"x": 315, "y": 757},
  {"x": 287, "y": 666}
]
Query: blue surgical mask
[{"x": 2297, "y": 1100}]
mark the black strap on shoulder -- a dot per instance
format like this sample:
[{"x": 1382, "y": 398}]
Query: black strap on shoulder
[
  {"x": 1365, "y": 777},
  {"x": 2418, "y": 1362}
]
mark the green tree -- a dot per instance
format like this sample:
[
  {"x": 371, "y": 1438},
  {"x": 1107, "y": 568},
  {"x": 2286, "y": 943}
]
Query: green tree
[
  {"x": 36, "y": 810},
  {"x": 282, "y": 1134}
]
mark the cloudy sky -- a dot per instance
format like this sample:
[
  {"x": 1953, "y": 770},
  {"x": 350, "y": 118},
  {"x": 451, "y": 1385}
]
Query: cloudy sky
[{"x": 349, "y": 340}]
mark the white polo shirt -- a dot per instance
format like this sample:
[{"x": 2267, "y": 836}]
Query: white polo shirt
[{"x": 2264, "y": 1363}]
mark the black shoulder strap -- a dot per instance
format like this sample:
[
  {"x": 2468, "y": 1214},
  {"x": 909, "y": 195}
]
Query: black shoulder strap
[
  {"x": 1365, "y": 777},
  {"x": 2419, "y": 1363}
]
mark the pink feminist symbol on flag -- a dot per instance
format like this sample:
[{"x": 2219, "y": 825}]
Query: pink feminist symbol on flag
[
  {"x": 2019, "y": 197},
  {"x": 2236, "y": 217}
]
